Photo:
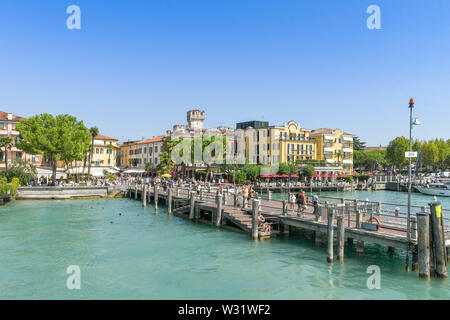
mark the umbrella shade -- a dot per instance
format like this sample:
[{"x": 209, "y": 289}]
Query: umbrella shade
[
  {"x": 354, "y": 172},
  {"x": 294, "y": 176},
  {"x": 276, "y": 176},
  {"x": 333, "y": 175},
  {"x": 166, "y": 175},
  {"x": 325, "y": 175},
  {"x": 342, "y": 176},
  {"x": 284, "y": 176},
  {"x": 315, "y": 176},
  {"x": 266, "y": 176}
]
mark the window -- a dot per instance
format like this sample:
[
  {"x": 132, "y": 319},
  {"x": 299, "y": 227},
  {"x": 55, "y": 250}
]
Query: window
[
  {"x": 18, "y": 155},
  {"x": 156, "y": 149},
  {"x": 2, "y": 125},
  {"x": 1, "y": 156}
]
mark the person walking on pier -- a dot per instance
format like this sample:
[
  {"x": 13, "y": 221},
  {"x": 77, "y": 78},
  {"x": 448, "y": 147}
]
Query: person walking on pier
[
  {"x": 292, "y": 200},
  {"x": 301, "y": 201}
]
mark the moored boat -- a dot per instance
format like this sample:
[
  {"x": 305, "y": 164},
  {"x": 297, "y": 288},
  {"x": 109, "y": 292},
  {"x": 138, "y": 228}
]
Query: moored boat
[{"x": 435, "y": 189}]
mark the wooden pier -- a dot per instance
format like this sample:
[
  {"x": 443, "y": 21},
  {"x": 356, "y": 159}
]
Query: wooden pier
[{"x": 342, "y": 220}]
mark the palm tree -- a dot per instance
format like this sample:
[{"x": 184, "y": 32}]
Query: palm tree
[
  {"x": 94, "y": 132},
  {"x": 6, "y": 142}
]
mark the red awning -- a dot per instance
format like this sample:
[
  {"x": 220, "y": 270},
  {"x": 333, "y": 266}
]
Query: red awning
[
  {"x": 333, "y": 175},
  {"x": 266, "y": 176},
  {"x": 354, "y": 172},
  {"x": 276, "y": 176},
  {"x": 294, "y": 176},
  {"x": 342, "y": 176},
  {"x": 284, "y": 176},
  {"x": 325, "y": 176},
  {"x": 315, "y": 176}
]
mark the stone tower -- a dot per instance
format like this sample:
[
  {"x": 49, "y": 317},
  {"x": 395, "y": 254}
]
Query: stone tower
[{"x": 195, "y": 119}]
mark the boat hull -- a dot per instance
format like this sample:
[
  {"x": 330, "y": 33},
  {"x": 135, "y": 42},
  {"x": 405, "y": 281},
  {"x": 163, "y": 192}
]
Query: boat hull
[{"x": 434, "y": 191}]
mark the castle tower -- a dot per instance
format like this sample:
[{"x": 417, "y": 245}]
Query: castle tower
[{"x": 195, "y": 119}]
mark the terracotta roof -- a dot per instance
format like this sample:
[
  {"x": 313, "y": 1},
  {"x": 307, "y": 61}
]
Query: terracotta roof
[
  {"x": 155, "y": 139},
  {"x": 327, "y": 131},
  {"x": 103, "y": 137},
  {"x": 374, "y": 148},
  {"x": 4, "y": 116}
]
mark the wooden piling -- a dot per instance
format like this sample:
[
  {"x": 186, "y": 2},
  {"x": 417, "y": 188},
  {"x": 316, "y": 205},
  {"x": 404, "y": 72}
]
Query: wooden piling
[
  {"x": 192, "y": 203},
  {"x": 169, "y": 200},
  {"x": 423, "y": 244},
  {"x": 340, "y": 237},
  {"x": 359, "y": 243},
  {"x": 331, "y": 214},
  {"x": 144, "y": 196},
  {"x": 285, "y": 210},
  {"x": 437, "y": 231},
  {"x": 219, "y": 210},
  {"x": 135, "y": 191},
  {"x": 255, "y": 211},
  {"x": 269, "y": 195},
  {"x": 317, "y": 212},
  {"x": 156, "y": 196}
]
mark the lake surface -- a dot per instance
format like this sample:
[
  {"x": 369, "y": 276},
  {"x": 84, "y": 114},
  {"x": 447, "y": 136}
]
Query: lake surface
[{"x": 143, "y": 255}]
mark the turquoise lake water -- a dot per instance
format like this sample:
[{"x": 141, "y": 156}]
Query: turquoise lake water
[{"x": 143, "y": 255}]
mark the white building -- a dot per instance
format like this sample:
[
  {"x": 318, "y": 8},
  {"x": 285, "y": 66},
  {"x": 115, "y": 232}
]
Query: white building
[{"x": 149, "y": 151}]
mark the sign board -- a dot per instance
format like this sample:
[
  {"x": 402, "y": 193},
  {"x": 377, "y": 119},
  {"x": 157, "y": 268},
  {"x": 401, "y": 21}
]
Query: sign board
[{"x": 410, "y": 154}]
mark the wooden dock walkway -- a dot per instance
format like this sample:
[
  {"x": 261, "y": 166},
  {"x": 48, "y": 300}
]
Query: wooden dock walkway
[{"x": 390, "y": 229}]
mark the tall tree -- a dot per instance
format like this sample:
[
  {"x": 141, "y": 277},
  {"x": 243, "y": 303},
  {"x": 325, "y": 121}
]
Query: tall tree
[
  {"x": 6, "y": 143},
  {"x": 93, "y": 132},
  {"x": 60, "y": 138},
  {"x": 358, "y": 144},
  {"x": 430, "y": 154},
  {"x": 395, "y": 153}
]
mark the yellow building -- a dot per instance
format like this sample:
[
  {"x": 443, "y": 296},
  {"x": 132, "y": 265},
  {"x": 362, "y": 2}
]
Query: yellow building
[
  {"x": 105, "y": 151},
  {"x": 335, "y": 147},
  {"x": 124, "y": 153},
  {"x": 278, "y": 144}
]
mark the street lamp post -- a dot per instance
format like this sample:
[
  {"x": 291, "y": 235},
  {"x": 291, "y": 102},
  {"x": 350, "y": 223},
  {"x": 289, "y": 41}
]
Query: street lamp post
[
  {"x": 408, "y": 222},
  {"x": 234, "y": 183}
]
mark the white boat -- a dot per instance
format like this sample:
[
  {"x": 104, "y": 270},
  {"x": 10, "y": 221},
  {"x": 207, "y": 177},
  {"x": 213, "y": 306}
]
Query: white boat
[{"x": 435, "y": 189}]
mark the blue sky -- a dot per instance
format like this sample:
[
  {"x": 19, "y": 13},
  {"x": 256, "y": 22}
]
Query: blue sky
[{"x": 136, "y": 67}]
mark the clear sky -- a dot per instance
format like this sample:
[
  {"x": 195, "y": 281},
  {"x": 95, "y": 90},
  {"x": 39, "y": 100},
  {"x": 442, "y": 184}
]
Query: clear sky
[{"x": 136, "y": 67}]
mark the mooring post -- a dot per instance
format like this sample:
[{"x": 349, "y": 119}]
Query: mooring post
[
  {"x": 144, "y": 196},
  {"x": 423, "y": 243},
  {"x": 358, "y": 219},
  {"x": 378, "y": 208},
  {"x": 135, "y": 191},
  {"x": 269, "y": 195},
  {"x": 169, "y": 201},
  {"x": 219, "y": 210},
  {"x": 340, "y": 236},
  {"x": 255, "y": 211},
  {"x": 317, "y": 212},
  {"x": 359, "y": 243},
  {"x": 244, "y": 201},
  {"x": 285, "y": 211},
  {"x": 331, "y": 214},
  {"x": 397, "y": 211},
  {"x": 235, "y": 196},
  {"x": 177, "y": 191},
  {"x": 437, "y": 231},
  {"x": 201, "y": 194},
  {"x": 192, "y": 205},
  {"x": 155, "y": 196}
]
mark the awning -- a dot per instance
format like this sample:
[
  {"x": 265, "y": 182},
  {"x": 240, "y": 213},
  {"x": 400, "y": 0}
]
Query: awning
[{"x": 134, "y": 171}]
